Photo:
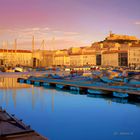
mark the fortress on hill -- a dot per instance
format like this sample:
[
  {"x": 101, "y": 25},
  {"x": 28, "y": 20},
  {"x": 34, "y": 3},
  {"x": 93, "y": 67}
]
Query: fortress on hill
[{"x": 113, "y": 36}]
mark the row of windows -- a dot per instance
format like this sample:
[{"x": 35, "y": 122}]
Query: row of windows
[{"x": 135, "y": 59}]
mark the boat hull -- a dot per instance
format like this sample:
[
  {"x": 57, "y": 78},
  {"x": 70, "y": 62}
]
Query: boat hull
[
  {"x": 120, "y": 94},
  {"x": 59, "y": 86},
  {"x": 134, "y": 82},
  {"x": 74, "y": 88},
  {"x": 28, "y": 81},
  {"x": 37, "y": 83},
  {"x": 46, "y": 84},
  {"x": 18, "y": 69},
  {"x": 96, "y": 92},
  {"x": 106, "y": 79},
  {"x": 21, "y": 80}
]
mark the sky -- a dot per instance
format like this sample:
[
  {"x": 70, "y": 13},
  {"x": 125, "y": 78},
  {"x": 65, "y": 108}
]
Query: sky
[{"x": 66, "y": 23}]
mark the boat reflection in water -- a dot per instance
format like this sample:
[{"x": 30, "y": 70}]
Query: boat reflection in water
[
  {"x": 10, "y": 85},
  {"x": 111, "y": 99},
  {"x": 64, "y": 114}
]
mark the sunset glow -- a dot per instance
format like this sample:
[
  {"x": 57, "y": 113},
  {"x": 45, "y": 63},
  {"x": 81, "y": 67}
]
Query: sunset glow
[{"x": 68, "y": 23}]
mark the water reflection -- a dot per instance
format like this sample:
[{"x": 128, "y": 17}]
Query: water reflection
[
  {"x": 111, "y": 100},
  {"x": 11, "y": 83},
  {"x": 9, "y": 88},
  {"x": 63, "y": 115}
]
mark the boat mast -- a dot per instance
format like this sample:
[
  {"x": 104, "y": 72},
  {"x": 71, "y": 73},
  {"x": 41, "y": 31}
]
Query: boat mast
[
  {"x": 15, "y": 51},
  {"x": 33, "y": 47},
  {"x": 43, "y": 49}
]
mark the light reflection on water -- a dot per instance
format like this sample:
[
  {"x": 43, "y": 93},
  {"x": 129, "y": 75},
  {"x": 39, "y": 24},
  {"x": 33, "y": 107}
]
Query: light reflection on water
[{"x": 64, "y": 115}]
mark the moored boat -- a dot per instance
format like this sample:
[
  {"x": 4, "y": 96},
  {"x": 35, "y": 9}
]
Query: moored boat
[
  {"x": 21, "y": 80},
  {"x": 59, "y": 86},
  {"x": 45, "y": 84},
  {"x": 28, "y": 81},
  {"x": 134, "y": 82},
  {"x": 74, "y": 88},
  {"x": 96, "y": 92},
  {"x": 106, "y": 79},
  {"x": 36, "y": 83},
  {"x": 18, "y": 69},
  {"x": 120, "y": 94}
]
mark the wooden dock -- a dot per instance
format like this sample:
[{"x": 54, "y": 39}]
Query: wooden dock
[
  {"x": 14, "y": 129},
  {"x": 83, "y": 86}
]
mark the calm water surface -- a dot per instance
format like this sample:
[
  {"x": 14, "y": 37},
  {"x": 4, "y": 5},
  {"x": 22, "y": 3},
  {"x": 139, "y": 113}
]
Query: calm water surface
[{"x": 63, "y": 115}]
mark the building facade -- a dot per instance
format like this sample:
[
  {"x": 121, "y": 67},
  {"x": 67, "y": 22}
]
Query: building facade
[
  {"x": 18, "y": 57},
  {"x": 115, "y": 50},
  {"x": 61, "y": 58},
  {"x": 115, "y": 58},
  {"x": 134, "y": 55}
]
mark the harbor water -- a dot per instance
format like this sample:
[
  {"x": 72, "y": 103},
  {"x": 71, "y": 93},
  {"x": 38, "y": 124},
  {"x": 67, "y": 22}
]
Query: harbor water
[{"x": 67, "y": 115}]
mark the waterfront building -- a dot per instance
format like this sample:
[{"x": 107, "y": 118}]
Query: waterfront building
[
  {"x": 61, "y": 58},
  {"x": 15, "y": 57},
  {"x": 82, "y": 56},
  {"x": 37, "y": 58},
  {"x": 115, "y": 50},
  {"x": 115, "y": 58},
  {"x": 42, "y": 58},
  {"x": 99, "y": 59},
  {"x": 134, "y": 55},
  {"x": 75, "y": 50},
  {"x": 89, "y": 56},
  {"x": 76, "y": 57},
  {"x": 48, "y": 56},
  {"x": 76, "y": 60}
]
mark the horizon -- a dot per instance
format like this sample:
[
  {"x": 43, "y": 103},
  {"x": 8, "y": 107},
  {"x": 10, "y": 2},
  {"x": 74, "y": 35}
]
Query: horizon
[
  {"x": 40, "y": 46},
  {"x": 66, "y": 23}
]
